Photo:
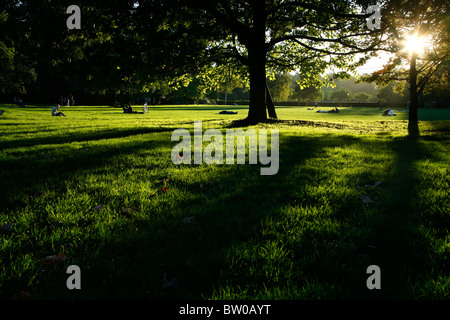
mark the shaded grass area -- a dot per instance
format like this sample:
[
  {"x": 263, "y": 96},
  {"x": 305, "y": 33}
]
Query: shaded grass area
[{"x": 219, "y": 231}]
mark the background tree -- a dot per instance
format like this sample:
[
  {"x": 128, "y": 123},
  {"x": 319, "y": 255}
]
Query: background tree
[
  {"x": 280, "y": 86},
  {"x": 418, "y": 36},
  {"x": 16, "y": 71},
  {"x": 310, "y": 93},
  {"x": 392, "y": 94},
  {"x": 341, "y": 94},
  {"x": 362, "y": 96}
]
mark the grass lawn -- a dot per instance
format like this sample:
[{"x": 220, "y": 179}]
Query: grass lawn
[{"x": 99, "y": 189}]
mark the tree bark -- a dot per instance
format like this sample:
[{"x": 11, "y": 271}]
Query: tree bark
[
  {"x": 257, "y": 65},
  {"x": 413, "y": 126},
  {"x": 270, "y": 105}
]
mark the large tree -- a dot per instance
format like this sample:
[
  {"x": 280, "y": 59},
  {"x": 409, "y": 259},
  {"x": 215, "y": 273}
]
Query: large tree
[{"x": 309, "y": 36}]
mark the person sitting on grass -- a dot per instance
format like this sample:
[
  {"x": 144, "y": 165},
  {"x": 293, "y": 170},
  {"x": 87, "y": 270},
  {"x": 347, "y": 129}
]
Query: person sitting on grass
[
  {"x": 57, "y": 114},
  {"x": 389, "y": 113},
  {"x": 127, "y": 109}
]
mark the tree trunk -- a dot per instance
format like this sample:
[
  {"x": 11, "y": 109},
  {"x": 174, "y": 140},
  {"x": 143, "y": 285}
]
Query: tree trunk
[
  {"x": 413, "y": 126},
  {"x": 270, "y": 105},
  {"x": 257, "y": 65},
  {"x": 257, "y": 108}
]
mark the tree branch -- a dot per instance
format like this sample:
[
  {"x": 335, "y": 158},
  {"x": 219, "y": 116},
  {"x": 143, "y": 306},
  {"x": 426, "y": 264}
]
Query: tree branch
[{"x": 316, "y": 8}]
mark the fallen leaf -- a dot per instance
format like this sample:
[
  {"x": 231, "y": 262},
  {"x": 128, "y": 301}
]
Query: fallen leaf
[
  {"x": 189, "y": 219},
  {"x": 55, "y": 259},
  {"x": 7, "y": 227},
  {"x": 164, "y": 189},
  {"x": 365, "y": 199},
  {"x": 376, "y": 184},
  {"x": 169, "y": 283},
  {"x": 22, "y": 295}
]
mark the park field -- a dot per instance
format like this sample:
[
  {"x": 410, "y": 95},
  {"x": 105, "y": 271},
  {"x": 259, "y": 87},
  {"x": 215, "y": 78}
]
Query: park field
[{"x": 98, "y": 189}]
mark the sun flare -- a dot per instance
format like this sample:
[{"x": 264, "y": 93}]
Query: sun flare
[{"x": 415, "y": 44}]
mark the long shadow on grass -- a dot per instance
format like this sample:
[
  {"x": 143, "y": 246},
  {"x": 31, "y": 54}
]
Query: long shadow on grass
[
  {"x": 196, "y": 247},
  {"x": 172, "y": 258},
  {"x": 25, "y": 173},
  {"x": 80, "y": 137},
  {"x": 404, "y": 255},
  {"x": 179, "y": 258}
]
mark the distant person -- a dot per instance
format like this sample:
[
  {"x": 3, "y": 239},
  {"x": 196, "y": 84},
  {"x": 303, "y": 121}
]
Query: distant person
[
  {"x": 335, "y": 110},
  {"x": 228, "y": 112},
  {"x": 389, "y": 113},
  {"x": 145, "y": 108},
  {"x": 129, "y": 109},
  {"x": 316, "y": 105},
  {"x": 55, "y": 112}
]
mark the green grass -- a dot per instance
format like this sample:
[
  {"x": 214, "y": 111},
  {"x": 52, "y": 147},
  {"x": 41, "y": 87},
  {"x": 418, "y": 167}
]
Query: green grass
[{"x": 222, "y": 231}]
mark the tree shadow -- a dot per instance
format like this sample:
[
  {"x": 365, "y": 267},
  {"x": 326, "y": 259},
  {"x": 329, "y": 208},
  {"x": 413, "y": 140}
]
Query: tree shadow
[
  {"x": 227, "y": 209},
  {"x": 190, "y": 250},
  {"x": 400, "y": 248},
  {"x": 80, "y": 137}
]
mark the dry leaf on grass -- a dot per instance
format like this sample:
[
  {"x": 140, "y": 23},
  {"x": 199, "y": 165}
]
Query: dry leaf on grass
[
  {"x": 189, "y": 219},
  {"x": 366, "y": 199},
  {"x": 7, "y": 227},
  {"x": 376, "y": 184},
  {"x": 169, "y": 283},
  {"x": 55, "y": 259}
]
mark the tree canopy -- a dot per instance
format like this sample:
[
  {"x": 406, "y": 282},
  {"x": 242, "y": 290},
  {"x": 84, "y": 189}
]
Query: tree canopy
[
  {"x": 159, "y": 46},
  {"x": 418, "y": 38}
]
